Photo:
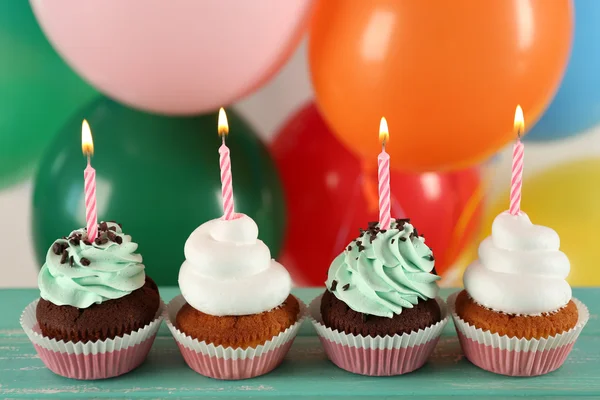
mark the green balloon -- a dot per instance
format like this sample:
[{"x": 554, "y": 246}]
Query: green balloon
[
  {"x": 159, "y": 177},
  {"x": 38, "y": 92}
]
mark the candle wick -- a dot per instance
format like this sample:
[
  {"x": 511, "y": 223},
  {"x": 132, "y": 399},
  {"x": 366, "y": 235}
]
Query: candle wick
[
  {"x": 223, "y": 139},
  {"x": 383, "y": 144},
  {"x": 88, "y": 159}
]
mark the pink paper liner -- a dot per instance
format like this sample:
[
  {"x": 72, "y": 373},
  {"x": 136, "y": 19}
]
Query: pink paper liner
[
  {"x": 514, "y": 363},
  {"x": 516, "y": 357},
  {"x": 95, "y": 366},
  {"x": 230, "y": 369},
  {"x": 91, "y": 360},
  {"x": 380, "y": 356},
  {"x": 376, "y": 362},
  {"x": 228, "y": 363}
]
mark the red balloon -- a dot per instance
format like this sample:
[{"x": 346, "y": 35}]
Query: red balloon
[{"x": 330, "y": 195}]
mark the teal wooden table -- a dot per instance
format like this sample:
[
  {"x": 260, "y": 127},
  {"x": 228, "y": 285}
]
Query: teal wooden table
[{"x": 305, "y": 373}]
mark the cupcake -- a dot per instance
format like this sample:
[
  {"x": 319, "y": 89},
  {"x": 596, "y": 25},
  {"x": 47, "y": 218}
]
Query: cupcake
[
  {"x": 98, "y": 313},
  {"x": 235, "y": 318},
  {"x": 516, "y": 315},
  {"x": 380, "y": 314}
]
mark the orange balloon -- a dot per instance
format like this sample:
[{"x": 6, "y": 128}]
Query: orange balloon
[{"x": 447, "y": 75}]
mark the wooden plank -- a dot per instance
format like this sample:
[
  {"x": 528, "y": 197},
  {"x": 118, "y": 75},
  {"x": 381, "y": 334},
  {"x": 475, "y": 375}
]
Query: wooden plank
[{"x": 305, "y": 373}]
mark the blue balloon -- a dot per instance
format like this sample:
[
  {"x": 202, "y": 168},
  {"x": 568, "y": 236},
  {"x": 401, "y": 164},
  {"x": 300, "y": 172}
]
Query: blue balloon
[{"x": 576, "y": 106}]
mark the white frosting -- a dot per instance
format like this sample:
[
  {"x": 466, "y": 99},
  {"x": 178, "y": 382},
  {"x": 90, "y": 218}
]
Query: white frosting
[
  {"x": 520, "y": 268},
  {"x": 229, "y": 271}
]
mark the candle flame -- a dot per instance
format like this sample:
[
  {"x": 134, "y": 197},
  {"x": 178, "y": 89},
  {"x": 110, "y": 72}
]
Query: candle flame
[
  {"x": 87, "y": 143},
  {"x": 223, "y": 125},
  {"x": 384, "y": 134},
  {"x": 519, "y": 125}
]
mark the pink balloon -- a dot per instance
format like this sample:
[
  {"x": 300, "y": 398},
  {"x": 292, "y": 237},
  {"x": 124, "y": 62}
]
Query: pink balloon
[{"x": 176, "y": 56}]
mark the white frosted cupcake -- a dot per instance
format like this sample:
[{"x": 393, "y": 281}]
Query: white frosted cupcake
[
  {"x": 235, "y": 318},
  {"x": 516, "y": 315}
]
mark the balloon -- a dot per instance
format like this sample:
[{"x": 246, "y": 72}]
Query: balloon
[
  {"x": 330, "y": 195},
  {"x": 38, "y": 92},
  {"x": 175, "y": 57},
  {"x": 565, "y": 198},
  {"x": 447, "y": 75},
  {"x": 159, "y": 177},
  {"x": 576, "y": 106}
]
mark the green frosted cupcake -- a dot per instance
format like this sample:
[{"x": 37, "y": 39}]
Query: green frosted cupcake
[{"x": 383, "y": 283}]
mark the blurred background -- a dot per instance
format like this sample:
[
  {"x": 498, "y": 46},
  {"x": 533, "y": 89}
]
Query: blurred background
[{"x": 305, "y": 83}]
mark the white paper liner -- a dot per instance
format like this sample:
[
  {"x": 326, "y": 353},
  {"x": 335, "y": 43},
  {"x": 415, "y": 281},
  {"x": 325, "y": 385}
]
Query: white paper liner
[
  {"x": 386, "y": 342},
  {"x": 228, "y": 353},
  {"x": 515, "y": 344},
  {"x": 31, "y": 328}
]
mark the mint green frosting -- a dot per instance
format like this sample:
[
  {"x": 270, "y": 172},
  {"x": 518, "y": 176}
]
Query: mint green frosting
[
  {"x": 389, "y": 274},
  {"x": 114, "y": 271}
]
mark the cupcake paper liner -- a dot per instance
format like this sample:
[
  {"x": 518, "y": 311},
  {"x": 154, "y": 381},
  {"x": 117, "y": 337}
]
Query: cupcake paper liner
[
  {"x": 91, "y": 360},
  {"x": 512, "y": 356},
  {"x": 378, "y": 356},
  {"x": 231, "y": 363}
]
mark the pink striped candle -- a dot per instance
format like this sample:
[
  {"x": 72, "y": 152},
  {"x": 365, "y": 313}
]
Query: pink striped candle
[
  {"x": 383, "y": 174},
  {"x": 517, "y": 164},
  {"x": 225, "y": 165},
  {"x": 89, "y": 175}
]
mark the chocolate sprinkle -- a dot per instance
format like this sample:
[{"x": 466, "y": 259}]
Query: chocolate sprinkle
[
  {"x": 57, "y": 248},
  {"x": 401, "y": 222},
  {"x": 100, "y": 240},
  {"x": 403, "y": 238},
  {"x": 85, "y": 262},
  {"x": 361, "y": 247},
  {"x": 393, "y": 240},
  {"x": 103, "y": 226},
  {"x": 346, "y": 286},
  {"x": 71, "y": 261},
  {"x": 64, "y": 257},
  {"x": 430, "y": 257},
  {"x": 372, "y": 225},
  {"x": 119, "y": 240},
  {"x": 111, "y": 236},
  {"x": 333, "y": 285},
  {"x": 74, "y": 241},
  {"x": 349, "y": 248},
  {"x": 87, "y": 242},
  {"x": 112, "y": 228}
]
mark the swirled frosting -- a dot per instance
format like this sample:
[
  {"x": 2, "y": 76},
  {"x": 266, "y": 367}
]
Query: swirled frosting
[
  {"x": 382, "y": 272},
  {"x": 80, "y": 274},
  {"x": 520, "y": 268},
  {"x": 229, "y": 271}
]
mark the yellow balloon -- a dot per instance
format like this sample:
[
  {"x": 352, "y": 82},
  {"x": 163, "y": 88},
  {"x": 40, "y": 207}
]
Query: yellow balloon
[{"x": 565, "y": 198}]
